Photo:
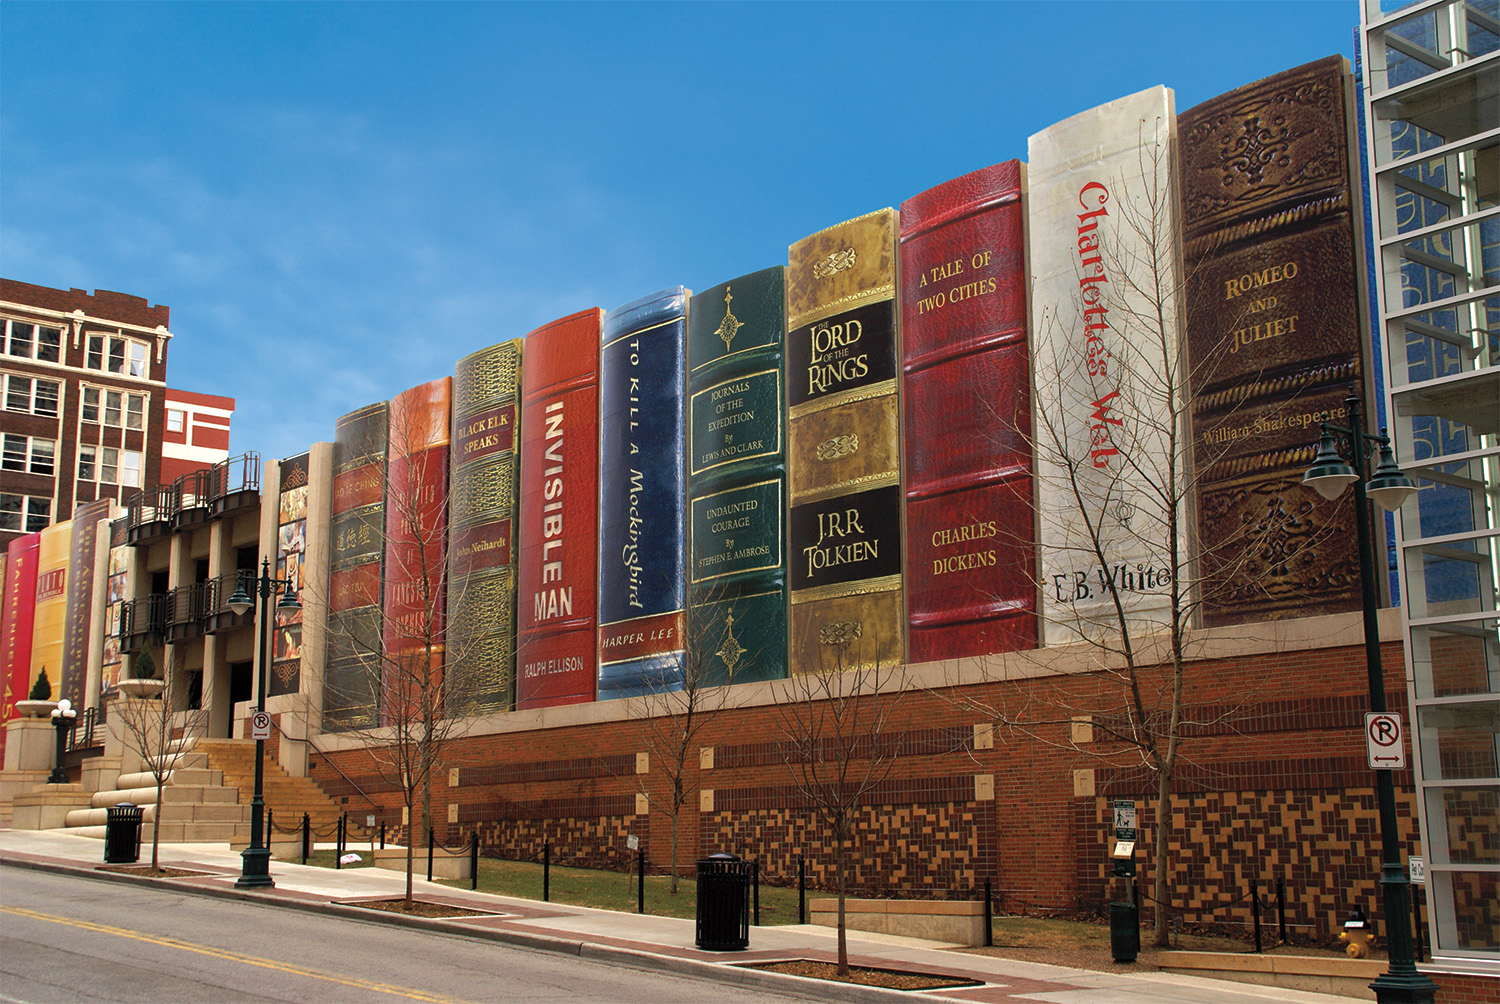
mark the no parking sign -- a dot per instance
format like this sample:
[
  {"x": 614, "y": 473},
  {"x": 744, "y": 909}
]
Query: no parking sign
[{"x": 1383, "y": 740}]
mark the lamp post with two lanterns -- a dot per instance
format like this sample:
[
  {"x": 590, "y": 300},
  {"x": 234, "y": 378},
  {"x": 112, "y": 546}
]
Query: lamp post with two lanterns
[
  {"x": 1329, "y": 475},
  {"x": 255, "y": 867},
  {"x": 63, "y": 717}
]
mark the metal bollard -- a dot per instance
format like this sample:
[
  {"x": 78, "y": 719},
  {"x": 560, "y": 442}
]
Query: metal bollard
[
  {"x": 306, "y": 837},
  {"x": 989, "y": 918},
  {"x": 382, "y": 834},
  {"x": 338, "y": 844},
  {"x": 1255, "y": 913},
  {"x": 546, "y": 869},
  {"x": 640, "y": 881},
  {"x": 755, "y": 888},
  {"x": 801, "y": 890},
  {"x": 474, "y": 860},
  {"x": 1281, "y": 910},
  {"x": 430, "y": 832}
]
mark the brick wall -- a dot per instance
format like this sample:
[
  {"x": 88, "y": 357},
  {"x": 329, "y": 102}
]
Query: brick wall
[{"x": 1272, "y": 779}]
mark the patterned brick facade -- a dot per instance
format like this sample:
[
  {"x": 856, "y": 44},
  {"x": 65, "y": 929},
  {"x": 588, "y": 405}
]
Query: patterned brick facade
[{"x": 1272, "y": 781}]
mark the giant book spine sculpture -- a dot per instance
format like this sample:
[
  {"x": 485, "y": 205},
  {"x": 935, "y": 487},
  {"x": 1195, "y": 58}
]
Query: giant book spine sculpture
[
  {"x": 642, "y": 557},
  {"x": 482, "y": 520},
  {"x": 1274, "y": 319},
  {"x": 16, "y": 619},
  {"x": 737, "y": 481},
  {"x": 1107, "y": 413},
  {"x": 843, "y": 458},
  {"x": 559, "y": 540},
  {"x": 416, "y": 549},
  {"x": 357, "y": 526},
  {"x": 970, "y": 544}
]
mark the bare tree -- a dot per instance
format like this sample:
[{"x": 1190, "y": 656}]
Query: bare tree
[
  {"x": 156, "y": 726},
  {"x": 671, "y": 721},
  {"x": 841, "y": 730},
  {"x": 420, "y": 667},
  {"x": 1116, "y": 486}
]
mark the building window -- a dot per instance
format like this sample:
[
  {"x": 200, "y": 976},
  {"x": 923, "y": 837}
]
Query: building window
[
  {"x": 38, "y": 397},
  {"x": 27, "y": 454},
  {"x": 119, "y": 408},
  {"x": 117, "y": 354},
  {"x": 175, "y": 421},
  {"x": 109, "y": 469},
  {"x": 87, "y": 463},
  {"x": 27, "y": 513},
  {"x": 33, "y": 341},
  {"x": 130, "y": 469}
]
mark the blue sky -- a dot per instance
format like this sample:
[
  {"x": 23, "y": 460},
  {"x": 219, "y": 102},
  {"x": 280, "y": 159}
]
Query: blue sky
[{"x": 339, "y": 200}]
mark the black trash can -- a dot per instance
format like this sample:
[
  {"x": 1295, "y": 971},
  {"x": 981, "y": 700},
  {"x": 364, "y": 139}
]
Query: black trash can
[
  {"x": 724, "y": 903},
  {"x": 1124, "y": 931},
  {"x": 122, "y": 834}
]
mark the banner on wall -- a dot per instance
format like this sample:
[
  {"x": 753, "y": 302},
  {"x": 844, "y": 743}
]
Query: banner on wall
[{"x": 291, "y": 546}]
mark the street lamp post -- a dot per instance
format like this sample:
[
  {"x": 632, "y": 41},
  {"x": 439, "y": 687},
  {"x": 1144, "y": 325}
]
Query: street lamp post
[
  {"x": 1329, "y": 475},
  {"x": 63, "y": 717},
  {"x": 255, "y": 867}
]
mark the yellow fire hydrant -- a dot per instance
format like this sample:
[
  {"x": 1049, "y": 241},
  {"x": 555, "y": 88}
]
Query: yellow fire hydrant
[{"x": 1358, "y": 935}]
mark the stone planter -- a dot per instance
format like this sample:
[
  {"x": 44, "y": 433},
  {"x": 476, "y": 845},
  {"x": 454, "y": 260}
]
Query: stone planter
[
  {"x": 35, "y": 709},
  {"x": 138, "y": 687}
]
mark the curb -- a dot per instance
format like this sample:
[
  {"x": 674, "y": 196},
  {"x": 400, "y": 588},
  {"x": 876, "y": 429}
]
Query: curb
[{"x": 727, "y": 973}]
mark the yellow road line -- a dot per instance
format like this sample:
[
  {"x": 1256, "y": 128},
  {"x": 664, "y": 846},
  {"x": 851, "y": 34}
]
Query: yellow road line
[{"x": 249, "y": 960}]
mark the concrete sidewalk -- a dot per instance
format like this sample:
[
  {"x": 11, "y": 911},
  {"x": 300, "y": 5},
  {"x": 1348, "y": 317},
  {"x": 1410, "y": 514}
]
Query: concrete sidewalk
[{"x": 661, "y": 943}]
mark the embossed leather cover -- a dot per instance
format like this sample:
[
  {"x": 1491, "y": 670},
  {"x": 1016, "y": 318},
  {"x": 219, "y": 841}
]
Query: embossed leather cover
[
  {"x": 642, "y": 538},
  {"x": 970, "y": 545},
  {"x": 843, "y": 457},
  {"x": 357, "y": 528},
  {"x": 416, "y": 538},
  {"x": 1273, "y": 305},
  {"x": 737, "y": 480},
  {"x": 482, "y": 519},
  {"x": 559, "y": 539}
]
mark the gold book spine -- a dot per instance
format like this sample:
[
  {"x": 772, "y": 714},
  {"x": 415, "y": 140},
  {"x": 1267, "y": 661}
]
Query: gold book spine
[{"x": 844, "y": 454}]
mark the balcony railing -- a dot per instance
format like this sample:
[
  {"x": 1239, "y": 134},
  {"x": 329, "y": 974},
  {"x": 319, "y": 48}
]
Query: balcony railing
[
  {"x": 141, "y": 620},
  {"x": 190, "y": 499},
  {"x": 148, "y": 515},
  {"x": 216, "y": 613},
  {"x": 185, "y": 611},
  {"x": 224, "y": 489},
  {"x": 234, "y": 484}
]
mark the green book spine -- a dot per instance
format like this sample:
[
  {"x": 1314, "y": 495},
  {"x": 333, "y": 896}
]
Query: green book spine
[{"x": 737, "y": 481}]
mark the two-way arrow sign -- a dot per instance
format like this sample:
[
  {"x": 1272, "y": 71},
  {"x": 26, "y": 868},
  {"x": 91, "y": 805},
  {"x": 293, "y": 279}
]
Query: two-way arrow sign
[{"x": 1384, "y": 741}]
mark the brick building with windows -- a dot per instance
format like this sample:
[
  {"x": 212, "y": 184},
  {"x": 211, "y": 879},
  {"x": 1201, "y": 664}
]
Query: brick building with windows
[{"x": 86, "y": 411}]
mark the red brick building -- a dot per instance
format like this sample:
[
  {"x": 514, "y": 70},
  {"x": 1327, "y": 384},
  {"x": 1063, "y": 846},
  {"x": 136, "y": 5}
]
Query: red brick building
[{"x": 84, "y": 405}]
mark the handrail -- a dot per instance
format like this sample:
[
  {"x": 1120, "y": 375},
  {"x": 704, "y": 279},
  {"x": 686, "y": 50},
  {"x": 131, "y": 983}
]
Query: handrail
[{"x": 302, "y": 739}]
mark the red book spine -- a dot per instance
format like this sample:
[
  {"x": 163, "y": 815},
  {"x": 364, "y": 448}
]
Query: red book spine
[
  {"x": 970, "y": 561},
  {"x": 559, "y": 539},
  {"x": 416, "y": 548},
  {"x": 20, "y": 612}
]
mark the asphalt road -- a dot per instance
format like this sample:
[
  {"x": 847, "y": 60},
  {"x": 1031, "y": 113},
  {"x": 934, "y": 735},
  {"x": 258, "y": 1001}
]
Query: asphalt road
[{"x": 71, "y": 941}]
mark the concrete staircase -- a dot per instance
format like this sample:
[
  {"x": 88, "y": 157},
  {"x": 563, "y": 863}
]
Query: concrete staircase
[
  {"x": 195, "y": 805},
  {"x": 286, "y": 796}
]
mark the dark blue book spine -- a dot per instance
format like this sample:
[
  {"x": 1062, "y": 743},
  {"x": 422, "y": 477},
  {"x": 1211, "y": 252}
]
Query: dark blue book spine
[{"x": 642, "y": 464}]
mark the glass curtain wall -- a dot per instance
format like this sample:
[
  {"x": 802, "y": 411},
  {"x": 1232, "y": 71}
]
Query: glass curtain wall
[{"x": 1432, "y": 93}]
